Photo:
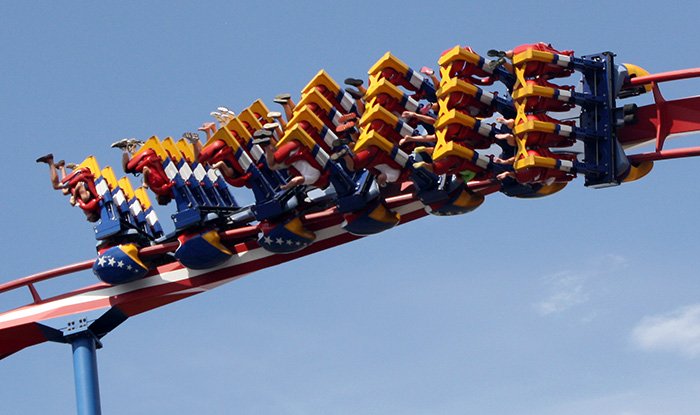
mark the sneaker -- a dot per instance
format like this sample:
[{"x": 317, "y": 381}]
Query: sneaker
[
  {"x": 356, "y": 94},
  {"x": 191, "y": 137},
  {"x": 338, "y": 155},
  {"x": 274, "y": 114},
  {"x": 135, "y": 142},
  {"x": 496, "y": 53},
  {"x": 347, "y": 117},
  {"x": 419, "y": 164},
  {"x": 353, "y": 82},
  {"x": 60, "y": 163},
  {"x": 341, "y": 141},
  {"x": 262, "y": 133},
  {"x": 344, "y": 127},
  {"x": 497, "y": 62},
  {"x": 218, "y": 116},
  {"x": 71, "y": 166},
  {"x": 427, "y": 71},
  {"x": 261, "y": 141},
  {"x": 271, "y": 126},
  {"x": 282, "y": 98},
  {"x": 45, "y": 159},
  {"x": 121, "y": 143}
]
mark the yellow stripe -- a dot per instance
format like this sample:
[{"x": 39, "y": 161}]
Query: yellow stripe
[
  {"x": 215, "y": 240},
  {"x": 298, "y": 228},
  {"x": 382, "y": 214},
  {"x": 133, "y": 252}
]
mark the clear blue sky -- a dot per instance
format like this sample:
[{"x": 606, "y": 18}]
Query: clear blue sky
[{"x": 584, "y": 302}]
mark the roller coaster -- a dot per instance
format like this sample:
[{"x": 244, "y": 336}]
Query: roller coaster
[{"x": 339, "y": 165}]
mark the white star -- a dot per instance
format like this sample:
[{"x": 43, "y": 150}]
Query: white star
[
  {"x": 120, "y": 264},
  {"x": 101, "y": 261},
  {"x": 267, "y": 240},
  {"x": 298, "y": 243},
  {"x": 129, "y": 267},
  {"x": 289, "y": 242},
  {"x": 111, "y": 261},
  {"x": 279, "y": 241}
]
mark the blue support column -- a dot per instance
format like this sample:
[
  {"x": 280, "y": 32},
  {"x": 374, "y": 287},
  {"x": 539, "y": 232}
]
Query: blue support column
[{"x": 87, "y": 389}]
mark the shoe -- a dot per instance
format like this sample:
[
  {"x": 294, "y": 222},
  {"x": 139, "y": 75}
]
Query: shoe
[
  {"x": 60, "y": 163},
  {"x": 496, "y": 53},
  {"x": 271, "y": 126},
  {"x": 191, "y": 137},
  {"x": 223, "y": 110},
  {"x": 427, "y": 71},
  {"x": 121, "y": 143},
  {"x": 262, "y": 133},
  {"x": 354, "y": 93},
  {"x": 341, "y": 141},
  {"x": 45, "y": 159},
  {"x": 218, "y": 116},
  {"x": 419, "y": 164},
  {"x": 135, "y": 142},
  {"x": 344, "y": 127},
  {"x": 353, "y": 82},
  {"x": 274, "y": 114},
  {"x": 420, "y": 149},
  {"x": 347, "y": 117},
  {"x": 262, "y": 141},
  {"x": 338, "y": 155},
  {"x": 71, "y": 166},
  {"x": 497, "y": 62},
  {"x": 282, "y": 98}
]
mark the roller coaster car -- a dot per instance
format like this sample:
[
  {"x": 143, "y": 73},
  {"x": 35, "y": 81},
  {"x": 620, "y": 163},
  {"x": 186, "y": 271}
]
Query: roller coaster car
[
  {"x": 472, "y": 100},
  {"x": 150, "y": 213},
  {"x": 387, "y": 95},
  {"x": 465, "y": 130},
  {"x": 338, "y": 97},
  {"x": 83, "y": 174},
  {"x": 512, "y": 188},
  {"x": 543, "y": 166},
  {"x": 249, "y": 120},
  {"x": 212, "y": 181},
  {"x": 321, "y": 107},
  {"x": 398, "y": 73},
  {"x": 633, "y": 71},
  {"x": 542, "y": 130},
  {"x": 220, "y": 151},
  {"x": 223, "y": 146},
  {"x": 260, "y": 111},
  {"x": 542, "y": 60},
  {"x": 201, "y": 249},
  {"x": 297, "y": 150},
  {"x": 467, "y": 65},
  {"x": 541, "y": 95},
  {"x": 101, "y": 201},
  {"x": 146, "y": 218},
  {"x": 378, "y": 155},
  {"x": 119, "y": 264},
  {"x": 285, "y": 236},
  {"x": 308, "y": 121},
  {"x": 386, "y": 124}
]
